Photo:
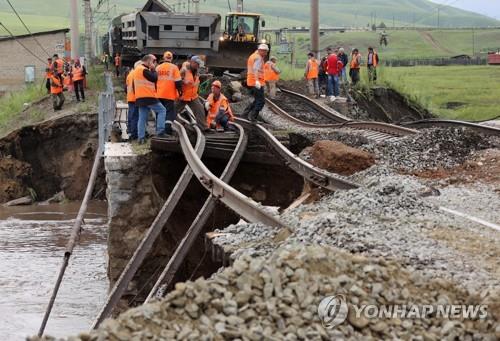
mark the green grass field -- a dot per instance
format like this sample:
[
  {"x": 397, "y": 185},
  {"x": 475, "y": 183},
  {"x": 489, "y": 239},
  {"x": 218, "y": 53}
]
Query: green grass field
[{"x": 455, "y": 92}]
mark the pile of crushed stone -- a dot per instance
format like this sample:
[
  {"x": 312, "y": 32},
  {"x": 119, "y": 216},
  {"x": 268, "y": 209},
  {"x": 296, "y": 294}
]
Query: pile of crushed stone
[
  {"x": 277, "y": 298},
  {"x": 429, "y": 149}
]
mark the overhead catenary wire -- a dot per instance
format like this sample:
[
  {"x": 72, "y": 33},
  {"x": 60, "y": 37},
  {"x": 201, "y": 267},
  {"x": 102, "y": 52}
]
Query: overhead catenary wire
[
  {"x": 17, "y": 40},
  {"x": 26, "y": 27}
]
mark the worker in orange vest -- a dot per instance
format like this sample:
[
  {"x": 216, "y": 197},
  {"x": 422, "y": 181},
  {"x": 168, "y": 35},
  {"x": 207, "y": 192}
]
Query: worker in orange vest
[
  {"x": 169, "y": 86},
  {"x": 311, "y": 73},
  {"x": 218, "y": 108},
  {"x": 57, "y": 64},
  {"x": 271, "y": 76},
  {"x": 56, "y": 90},
  {"x": 118, "y": 64},
  {"x": 355, "y": 66},
  {"x": 133, "y": 109},
  {"x": 189, "y": 94},
  {"x": 255, "y": 81},
  {"x": 78, "y": 73},
  {"x": 144, "y": 83},
  {"x": 372, "y": 65},
  {"x": 48, "y": 74}
]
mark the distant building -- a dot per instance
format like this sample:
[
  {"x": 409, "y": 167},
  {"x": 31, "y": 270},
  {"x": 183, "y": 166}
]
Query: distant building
[{"x": 18, "y": 66}]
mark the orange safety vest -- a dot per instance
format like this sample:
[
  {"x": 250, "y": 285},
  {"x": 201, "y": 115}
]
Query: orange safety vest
[
  {"x": 168, "y": 74},
  {"x": 117, "y": 60},
  {"x": 56, "y": 86},
  {"x": 143, "y": 87},
  {"x": 77, "y": 73},
  {"x": 269, "y": 74},
  {"x": 58, "y": 65},
  {"x": 375, "y": 59},
  {"x": 130, "y": 87},
  {"x": 313, "y": 70},
  {"x": 215, "y": 106},
  {"x": 190, "y": 86},
  {"x": 355, "y": 61},
  {"x": 48, "y": 73},
  {"x": 251, "y": 77}
]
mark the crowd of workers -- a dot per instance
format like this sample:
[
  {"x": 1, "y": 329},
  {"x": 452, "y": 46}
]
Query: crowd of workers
[
  {"x": 331, "y": 72},
  {"x": 62, "y": 75}
]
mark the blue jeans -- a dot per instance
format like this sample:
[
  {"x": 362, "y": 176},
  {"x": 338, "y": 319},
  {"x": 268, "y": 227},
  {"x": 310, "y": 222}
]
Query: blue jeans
[
  {"x": 343, "y": 76},
  {"x": 133, "y": 117},
  {"x": 333, "y": 85},
  {"x": 171, "y": 114},
  {"x": 160, "y": 112}
]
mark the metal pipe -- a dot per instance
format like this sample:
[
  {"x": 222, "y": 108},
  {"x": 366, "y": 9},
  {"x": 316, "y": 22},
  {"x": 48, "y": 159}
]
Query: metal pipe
[
  {"x": 75, "y": 36},
  {"x": 315, "y": 28}
]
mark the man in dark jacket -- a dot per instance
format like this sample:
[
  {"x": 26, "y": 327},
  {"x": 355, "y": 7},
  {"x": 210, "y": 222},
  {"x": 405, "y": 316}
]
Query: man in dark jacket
[{"x": 342, "y": 56}]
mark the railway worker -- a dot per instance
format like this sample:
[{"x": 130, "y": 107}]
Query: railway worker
[
  {"x": 372, "y": 64},
  {"x": 57, "y": 64},
  {"x": 118, "y": 64},
  {"x": 169, "y": 86},
  {"x": 48, "y": 74},
  {"x": 342, "y": 56},
  {"x": 144, "y": 83},
  {"x": 56, "y": 90},
  {"x": 78, "y": 73},
  {"x": 311, "y": 73},
  {"x": 218, "y": 108},
  {"x": 355, "y": 66},
  {"x": 322, "y": 76},
  {"x": 133, "y": 109},
  {"x": 271, "y": 76},
  {"x": 255, "y": 81},
  {"x": 189, "y": 94},
  {"x": 334, "y": 65}
]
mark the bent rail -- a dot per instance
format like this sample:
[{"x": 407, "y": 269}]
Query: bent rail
[
  {"x": 453, "y": 123},
  {"x": 239, "y": 203},
  {"x": 314, "y": 174},
  {"x": 149, "y": 238},
  {"x": 196, "y": 227}
]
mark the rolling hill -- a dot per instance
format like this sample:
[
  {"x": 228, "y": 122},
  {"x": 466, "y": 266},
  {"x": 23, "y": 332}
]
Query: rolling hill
[{"x": 49, "y": 14}]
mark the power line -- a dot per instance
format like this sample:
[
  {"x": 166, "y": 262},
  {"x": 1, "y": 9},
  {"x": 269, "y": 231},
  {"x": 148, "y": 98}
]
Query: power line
[
  {"x": 27, "y": 29},
  {"x": 27, "y": 49}
]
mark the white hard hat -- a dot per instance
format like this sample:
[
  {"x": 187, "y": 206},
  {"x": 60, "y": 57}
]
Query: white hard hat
[{"x": 263, "y": 47}]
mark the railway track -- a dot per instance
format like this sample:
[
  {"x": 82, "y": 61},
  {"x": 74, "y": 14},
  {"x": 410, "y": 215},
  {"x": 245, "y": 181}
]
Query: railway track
[
  {"x": 375, "y": 131},
  {"x": 452, "y": 123}
]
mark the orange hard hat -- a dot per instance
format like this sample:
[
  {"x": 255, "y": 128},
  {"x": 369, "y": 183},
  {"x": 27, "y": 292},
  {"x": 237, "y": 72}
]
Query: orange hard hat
[
  {"x": 168, "y": 55},
  {"x": 217, "y": 84}
]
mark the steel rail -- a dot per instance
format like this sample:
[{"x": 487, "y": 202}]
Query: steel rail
[
  {"x": 453, "y": 123},
  {"x": 150, "y": 236},
  {"x": 390, "y": 130},
  {"x": 196, "y": 227},
  {"x": 239, "y": 203},
  {"x": 75, "y": 235},
  {"x": 314, "y": 174}
]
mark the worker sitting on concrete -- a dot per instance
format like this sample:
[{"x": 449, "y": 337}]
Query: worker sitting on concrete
[
  {"x": 311, "y": 73},
  {"x": 133, "y": 109},
  {"x": 218, "y": 108},
  {"x": 168, "y": 88},
  {"x": 355, "y": 66},
  {"x": 190, "y": 84},
  {"x": 144, "y": 81},
  {"x": 56, "y": 90},
  {"x": 372, "y": 64},
  {"x": 255, "y": 82},
  {"x": 78, "y": 74},
  {"x": 48, "y": 74},
  {"x": 271, "y": 76}
]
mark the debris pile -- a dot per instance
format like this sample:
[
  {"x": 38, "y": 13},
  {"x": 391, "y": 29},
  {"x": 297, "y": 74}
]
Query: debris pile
[{"x": 277, "y": 298}]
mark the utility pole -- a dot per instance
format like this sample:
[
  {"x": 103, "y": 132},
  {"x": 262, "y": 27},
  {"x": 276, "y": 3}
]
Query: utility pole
[
  {"x": 88, "y": 31},
  {"x": 75, "y": 36},
  {"x": 314, "y": 30}
]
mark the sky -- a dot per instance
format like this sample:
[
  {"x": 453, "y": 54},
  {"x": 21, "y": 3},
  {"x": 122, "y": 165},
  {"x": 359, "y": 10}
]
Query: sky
[{"x": 490, "y": 8}]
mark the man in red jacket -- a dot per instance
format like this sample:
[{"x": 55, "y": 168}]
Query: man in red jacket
[{"x": 334, "y": 67}]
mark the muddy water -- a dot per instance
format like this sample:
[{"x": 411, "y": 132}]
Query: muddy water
[{"x": 32, "y": 241}]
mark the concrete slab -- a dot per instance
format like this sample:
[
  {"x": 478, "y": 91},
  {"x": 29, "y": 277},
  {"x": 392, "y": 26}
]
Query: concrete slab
[{"x": 112, "y": 149}]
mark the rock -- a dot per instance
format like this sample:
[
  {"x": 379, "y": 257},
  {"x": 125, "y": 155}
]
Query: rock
[
  {"x": 56, "y": 198},
  {"x": 338, "y": 158},
  {"x": 357, "y": 322},
  {"x": 379, "y": 327},
  {"x": 237, "y": 97},
  {"x": 235, "y": 86},
  {"x": 27, "y": 200}
]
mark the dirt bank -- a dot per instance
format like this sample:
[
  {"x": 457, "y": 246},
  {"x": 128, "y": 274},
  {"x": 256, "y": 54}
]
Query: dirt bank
[{"x": 46, "y": 158}]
